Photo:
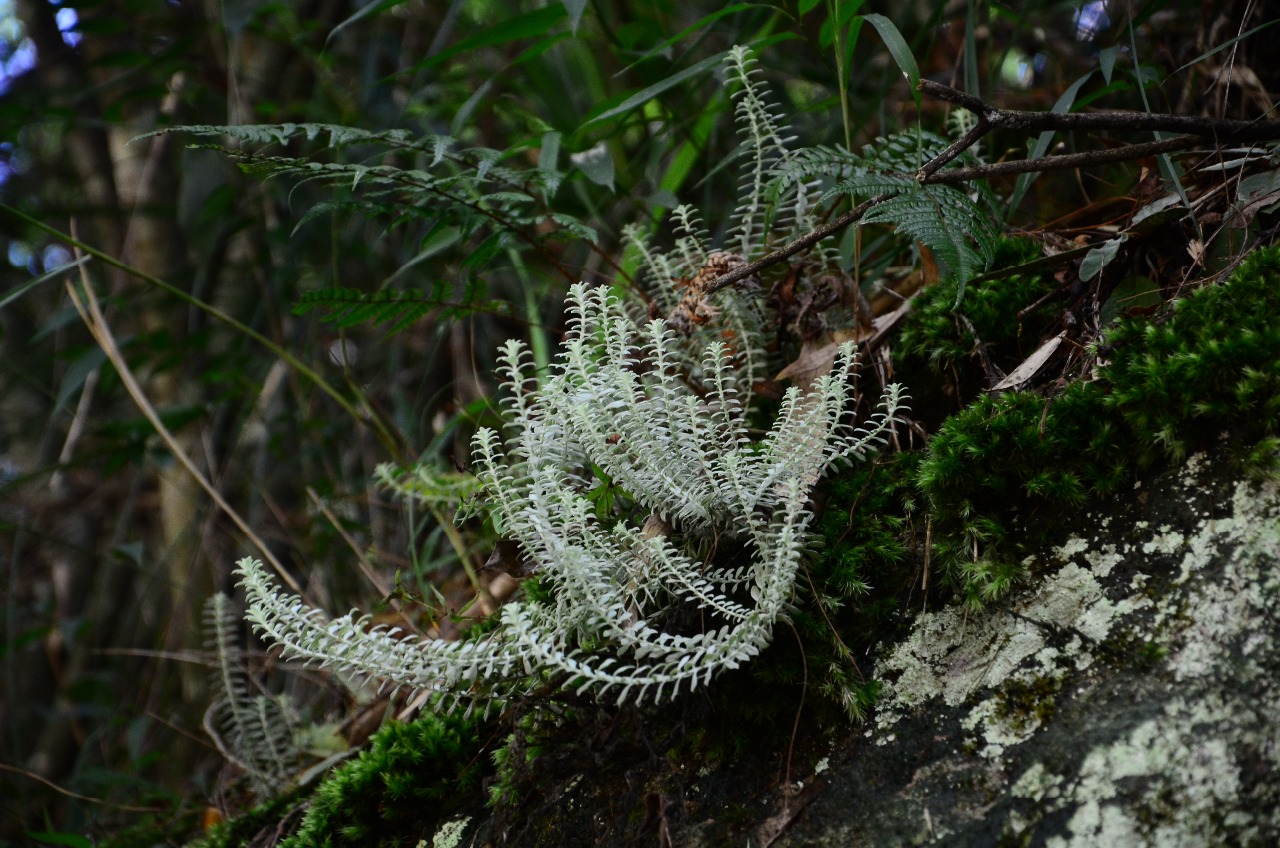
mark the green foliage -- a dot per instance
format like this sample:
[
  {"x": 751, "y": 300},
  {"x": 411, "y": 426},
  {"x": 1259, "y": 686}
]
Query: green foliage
[
  {"x": 400, "y": 308},
  {"x": 458, "y": 193},
  {"x": 625, "y": 586},
  {"x": 960, "y": 230},
  {"x": 151, "y": 831},
  {"x": 966, "y": 344},
  {"x": 1212, "y": 365},
  {"x": 410, "y": 778},
  {"x": 512, "y": 760},
  {"x": 242, "y": 829},
  {"x": 998, "y": 471},
  {"x": 857, "y": 583},
  {"x": 257, "y": 731}
]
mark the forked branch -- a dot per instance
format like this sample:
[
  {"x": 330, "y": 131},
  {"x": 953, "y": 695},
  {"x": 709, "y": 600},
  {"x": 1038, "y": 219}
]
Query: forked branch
[{"x": 1194, "y": 131}]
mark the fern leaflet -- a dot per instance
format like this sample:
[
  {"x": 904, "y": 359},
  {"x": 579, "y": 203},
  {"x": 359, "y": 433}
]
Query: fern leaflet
[{"x": 348, "y": 307}]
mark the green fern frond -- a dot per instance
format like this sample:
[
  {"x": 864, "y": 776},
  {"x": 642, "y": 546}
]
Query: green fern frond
[
  {"x": 960, "y": 232},
  {"x": 428, "y": 485},
  {"x": 393, "y": 174},
  {"x": 959, "y": 227},
  {"x": 400, "y": 308}
]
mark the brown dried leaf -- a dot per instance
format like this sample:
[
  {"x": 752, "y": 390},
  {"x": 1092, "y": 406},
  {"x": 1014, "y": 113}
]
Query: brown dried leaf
[
  {"x": 694, "y": 309},
  {"x": 1023, "y": 373},
  {"x": 818, "y": 356}
]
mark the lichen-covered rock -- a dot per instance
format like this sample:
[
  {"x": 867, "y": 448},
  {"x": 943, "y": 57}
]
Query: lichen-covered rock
[{"x": 1128, "y": 696}]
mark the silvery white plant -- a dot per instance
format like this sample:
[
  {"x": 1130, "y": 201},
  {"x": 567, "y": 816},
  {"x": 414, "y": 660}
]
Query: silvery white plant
[
  {"x": 689, "y": 572},
  {"x": 635, "y": 607}
]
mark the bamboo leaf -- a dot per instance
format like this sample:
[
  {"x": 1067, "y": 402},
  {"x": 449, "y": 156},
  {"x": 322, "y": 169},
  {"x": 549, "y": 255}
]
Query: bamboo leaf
[
  {"x": 899, "y": 50},
  {"x": 644, "y": 95}
]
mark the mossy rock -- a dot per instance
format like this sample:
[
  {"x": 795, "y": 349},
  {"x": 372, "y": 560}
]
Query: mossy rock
[
  {"x": 1126, "y": 696},
  {"x": 994, "y": 472},
  {"x": 1007, "y": 722}
]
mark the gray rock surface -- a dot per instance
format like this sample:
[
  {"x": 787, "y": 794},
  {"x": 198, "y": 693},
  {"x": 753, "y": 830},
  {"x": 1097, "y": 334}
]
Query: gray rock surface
[{"x": 1128, "y": 695}]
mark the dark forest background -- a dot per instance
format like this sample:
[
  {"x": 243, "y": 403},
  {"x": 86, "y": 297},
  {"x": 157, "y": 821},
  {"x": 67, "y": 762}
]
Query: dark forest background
[{"x": 109, "y": 548}]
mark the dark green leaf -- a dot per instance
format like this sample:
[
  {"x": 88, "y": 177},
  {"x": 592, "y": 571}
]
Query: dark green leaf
[
  {"x": 539, "y": 22},
  {"x": 646, "y": 94}
]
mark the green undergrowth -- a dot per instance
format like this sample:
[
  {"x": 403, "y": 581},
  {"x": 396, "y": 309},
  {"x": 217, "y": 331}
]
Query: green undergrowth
[
  {"x": 948, "y": 355},
  {"x": 997, "y": 474},
  {"x": 956, "y": 519},
  {"x": 162, "y": 830},
  {"x": 996, "y": 478},
  {"x": 410, "y": 779},
  {"x": 242, "y": 829}
]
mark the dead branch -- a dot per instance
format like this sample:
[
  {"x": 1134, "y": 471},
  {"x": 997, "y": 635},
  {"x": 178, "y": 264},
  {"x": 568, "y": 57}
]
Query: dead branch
[{"x": 1193, "y": 131}]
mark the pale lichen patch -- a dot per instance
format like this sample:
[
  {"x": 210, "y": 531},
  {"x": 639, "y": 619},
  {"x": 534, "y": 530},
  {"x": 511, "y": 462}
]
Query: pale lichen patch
[
  {"x": 1037, "y": 784},
  {"x": 1165, "y": 783},
  {"x": 1189, "y": 636},
  {"x": 1166, "y": 541},
  {"x": 950, "y": 658},
  {"x": 1074, "y": 545},
  {"x": 1104, "y": 559}
]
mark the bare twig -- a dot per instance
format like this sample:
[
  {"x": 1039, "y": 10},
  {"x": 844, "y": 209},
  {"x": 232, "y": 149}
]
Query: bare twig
[
  {"x": 1194, "y": 130},
  {"x": 366, "y": 567},
  {"x": 805, "y": 241},
  {"x": 76, "y": 795},
  {"x": 1017, "y": 119},
  {"x": 86, "y": 303},
  {"x": 1065, "y": 161}
]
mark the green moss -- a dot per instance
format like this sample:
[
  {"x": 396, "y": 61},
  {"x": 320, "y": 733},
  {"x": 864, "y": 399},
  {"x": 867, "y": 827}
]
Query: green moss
[
  {"x": 997, "y": 473},
  {"x": 1022, "y": 704},
  {"x": 243, "y": 828},
  {"x": 1213, "y": 365},
  {"x": 940, "y": 343},
  {"x": 524, "y": 744},
  {"x": 397, "y": 791}
]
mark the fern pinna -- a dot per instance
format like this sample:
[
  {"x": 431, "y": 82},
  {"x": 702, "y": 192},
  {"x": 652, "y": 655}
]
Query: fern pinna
[
  {"x": 636, "y": 606},
  {"x": 468, "y": 197},
  {"x": 254, "y": 731},
  {"x": 958, "y": 226}
]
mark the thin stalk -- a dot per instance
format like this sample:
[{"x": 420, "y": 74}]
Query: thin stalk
[
  {"x": 86, "y": 304},
  {"x": 383, "y": 434}
]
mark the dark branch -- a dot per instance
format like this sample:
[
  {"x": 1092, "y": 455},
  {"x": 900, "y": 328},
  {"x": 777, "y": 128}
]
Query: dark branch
[
  {"x": 805, "y": 241},
  {"x": 1058, "y": 163},
  {"x": 1223, "y": 130},
  {"x": 1194, "y": 130}
]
